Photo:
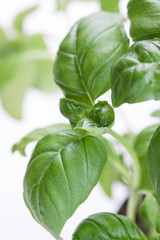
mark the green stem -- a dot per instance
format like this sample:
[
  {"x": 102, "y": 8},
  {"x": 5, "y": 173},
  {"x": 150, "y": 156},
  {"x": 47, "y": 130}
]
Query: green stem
[
  {"x": 132, "y": 206},
  {"x": 123, "y": 171},
  {"x": 136, "y": 165},
  {"x": 144, "y": 192}
]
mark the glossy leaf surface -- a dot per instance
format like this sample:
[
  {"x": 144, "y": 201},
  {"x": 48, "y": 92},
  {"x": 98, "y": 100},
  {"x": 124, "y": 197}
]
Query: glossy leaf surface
[
  {"x": 153, "y": 162},
  {"x": 144, "y": 24},
  {"x": 135, "y": 76},
  {"x": 108, "y": 226},
  {"x": 62, "y": 171},
  {"x": 36, "y": 135},
  {"x": 150, "y": 209},
  {"x": 73, "y": 110},
  {"x": 91, "y": 127},
  {"x": 141, "y": 146},
  {"x": 102, "y": 113},
  {"x": 109, "y": 6},
  {"x": 86, "y": 55}
]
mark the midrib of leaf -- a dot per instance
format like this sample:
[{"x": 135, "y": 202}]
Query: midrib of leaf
[
  {"x": 68, "y": 187},
  {"x": 81, "y": 78},
  {"x": 80, "y": 72},
  {"x": 104, "y": 64},
  {"x": 86, "y": 167}
]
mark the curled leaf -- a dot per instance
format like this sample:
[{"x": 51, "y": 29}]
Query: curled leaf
[
  {"x": 103, "y": 114},
  {"x": 73, "y": 110}
]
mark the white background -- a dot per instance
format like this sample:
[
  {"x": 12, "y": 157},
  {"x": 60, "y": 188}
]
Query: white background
[{"x": 40, "y": 110}]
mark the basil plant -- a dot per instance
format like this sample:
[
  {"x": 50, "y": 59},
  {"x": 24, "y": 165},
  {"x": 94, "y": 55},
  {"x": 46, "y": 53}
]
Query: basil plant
[{"x": 69, "y": 159}]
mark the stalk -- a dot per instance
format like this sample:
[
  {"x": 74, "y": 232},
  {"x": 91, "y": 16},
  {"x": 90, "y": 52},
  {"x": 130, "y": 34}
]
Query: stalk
[
  {"x": 136, "y": 165},
  {"x": 132, "y": 206}
]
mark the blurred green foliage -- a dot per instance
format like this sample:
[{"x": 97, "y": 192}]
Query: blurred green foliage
[
  {"x": 24, "y": 63},
  {"x": 106, "y": 5}
]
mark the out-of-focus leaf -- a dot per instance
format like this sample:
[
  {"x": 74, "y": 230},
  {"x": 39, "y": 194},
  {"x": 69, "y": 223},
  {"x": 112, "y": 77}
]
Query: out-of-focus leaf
[
  {"x": 106, "y": 5},
  {"x": 62, "y": 4},
  {"x": 108, "y": 226},
  {"x": 109, "y": 5},
  {"x": 135, "y": 76},
  {"x": 62, "y": 171},
  {"x": 156, "y": 114},
  {"x": 22, "y": 69},
  {"x": 20, "y": 17},
  {"x": 110, "y": 174},
  {"x": 36, "y": 135},
  {"x": 130, "y": 137},
  {"x": 86, "y": 55},
  {"x": 145, "y": 20},
  {"x": 153, "y": 162},
  {"x": 150, "y": 209},
  {"x": 24, "y": 63},
  {"x": 141, "y": 147}
]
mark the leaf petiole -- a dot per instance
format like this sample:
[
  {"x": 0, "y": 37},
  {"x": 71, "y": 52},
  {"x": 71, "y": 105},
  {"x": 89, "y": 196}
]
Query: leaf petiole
[{"x": 136, "y": 165}]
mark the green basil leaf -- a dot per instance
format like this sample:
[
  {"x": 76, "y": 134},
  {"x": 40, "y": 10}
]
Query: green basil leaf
[
  {"x": 36, "y": 135},
  {"x": 62, "y": 171},
  {"x": 86, "y": 55},
  {"x": 156, "y": 114},
  {"x": 153, "y": 162},
  {"x": 103, "y": 114},
  {"x": 15, "y": 83},
  {"x": 141, "y": 146},
  {"x": 18, "y": 22},
  {"x": 24, "y": 54},
  {"x": 150, "y": 209},
  {"x": 144, "y": 24},
  {"x": 109, "y": 6},
  {"x": 135, "y": 76},
  {"x": 108, "y": 226},
  {"x": 73, "y": 110}
]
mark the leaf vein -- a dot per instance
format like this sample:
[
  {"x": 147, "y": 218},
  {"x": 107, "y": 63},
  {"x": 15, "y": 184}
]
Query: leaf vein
[
  {"x": 68, "y": 187},
  {"x": 90, "y": 44},
  {"x": 102, "y": 66}
]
